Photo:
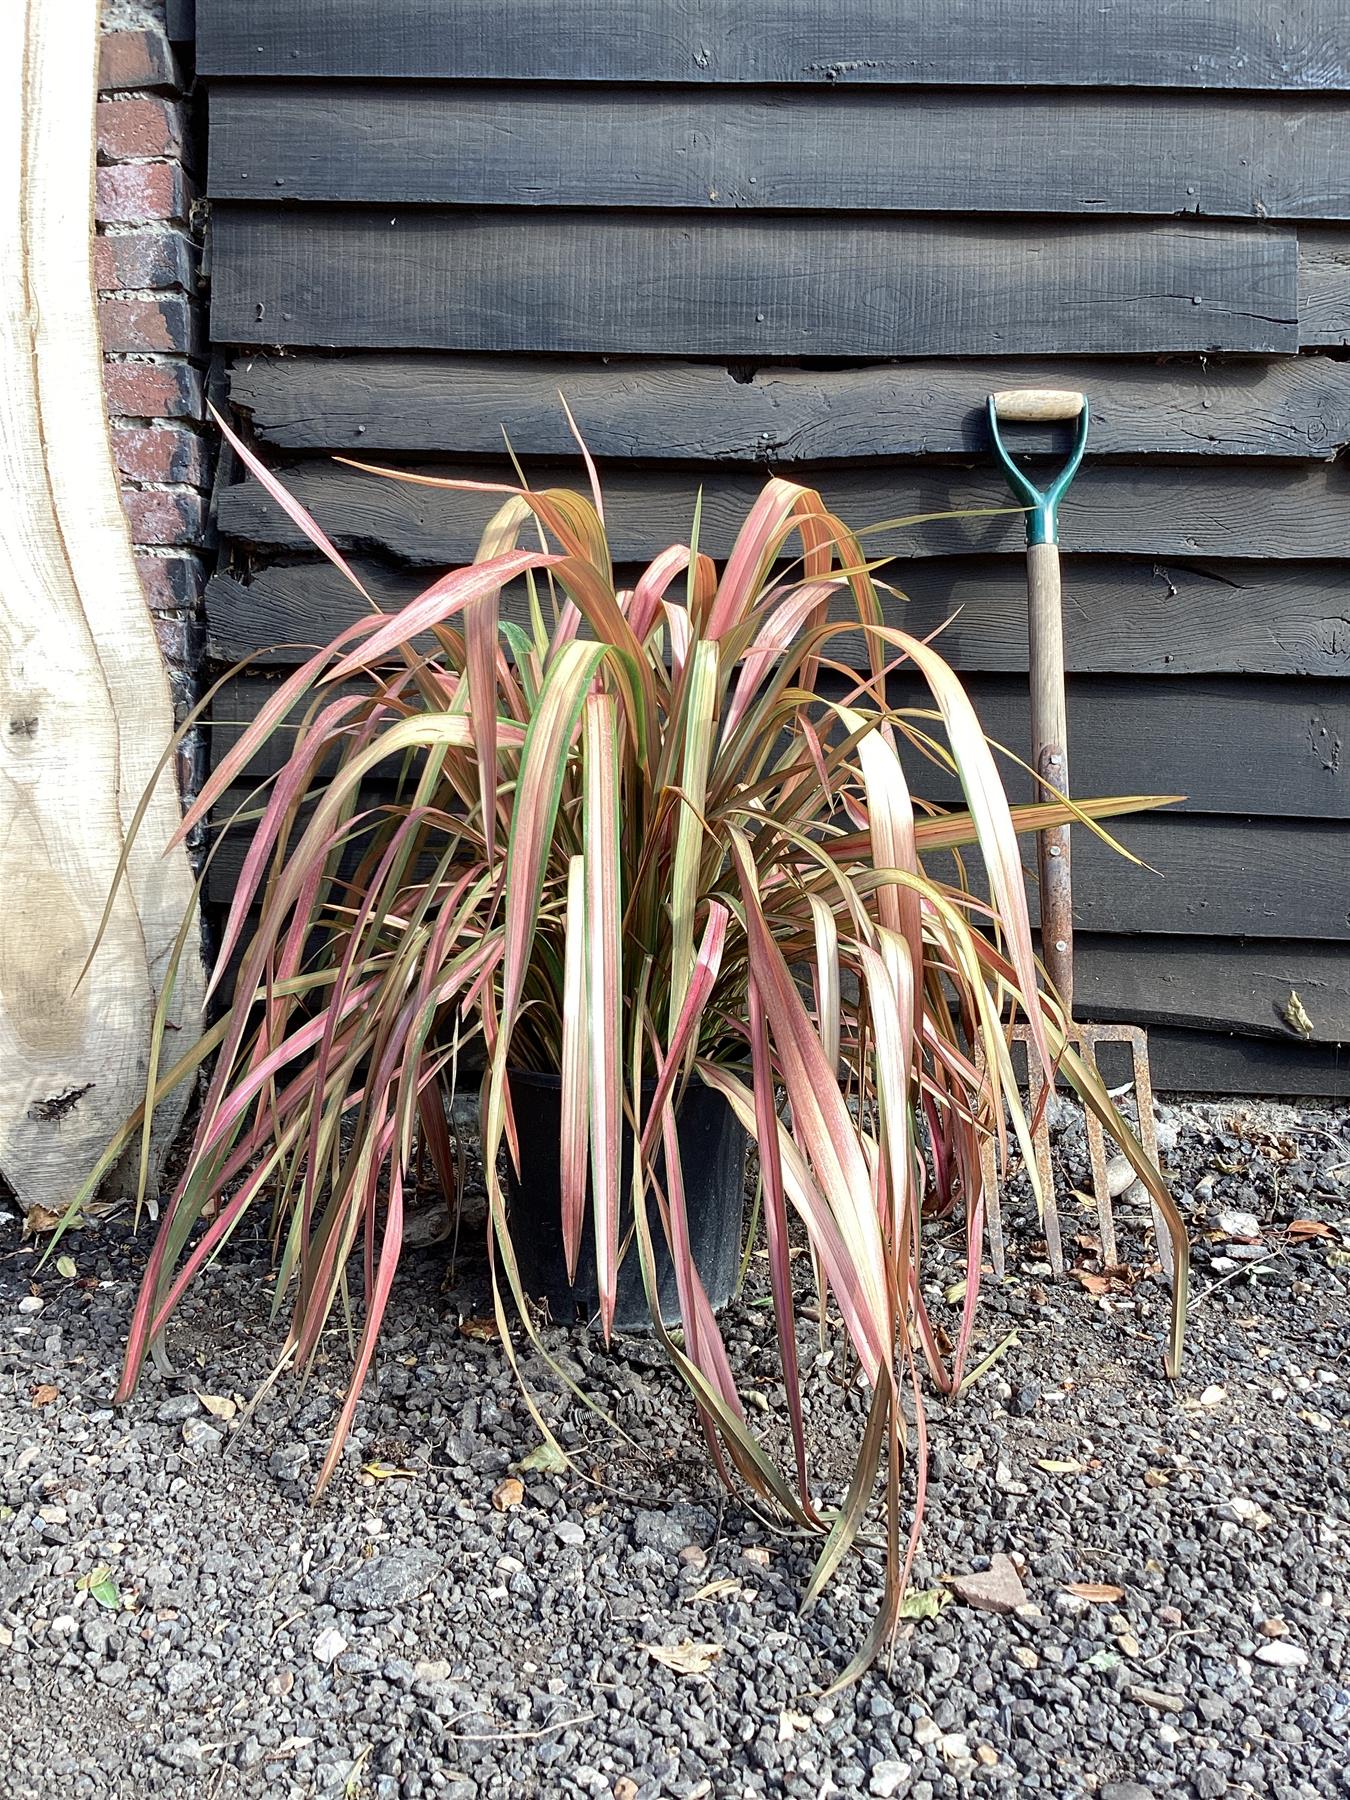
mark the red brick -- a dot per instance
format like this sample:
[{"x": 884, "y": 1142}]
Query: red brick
[
  {"x": 164, "y": 322},
  {"x": 135, "y": 129},
  {"x": 153, "y": 257},
  {"x": 171, "y": 583},
  {"x": 136, "y": 193},
  {"x": 153, "y": 390},
  {"x": 158, "y": 517},
  {"x": 161, "y": 453},
  {"x": 136, "y": 59}
]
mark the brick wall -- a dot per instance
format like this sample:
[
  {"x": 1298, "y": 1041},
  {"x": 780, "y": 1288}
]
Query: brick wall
[{"x": 152, "y": 321}]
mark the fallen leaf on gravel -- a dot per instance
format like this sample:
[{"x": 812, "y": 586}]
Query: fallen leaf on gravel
[
  {"x": 1156, "y": 1478},
  {"x": 44, "y": 1394},
  {"x": 757, "y": 1554},
  {"x": 482, "y": 1331},
  {"x": 507, "y": 1494},
  {"x": 65, "y": 1265},
  {"x": 923, "y": 1603},
  {"x": 98, "y": 1583},
  {"x": 544, "y": 1459},
  {"x": 1245, "y": 1512},
  {"x": 1052, "y": 1467},
  {"x": 714, "y": 1590},
  {"x": 383, "y": 1471},
  {"x": 1099, "y": 1591},
  {"x": 40, "y": 1219},
  {"x": 685, "y": 1658},
  {"x": 790, "y": 1723},
  {"x": 1302, "y": 1229},
  {"x": 218, "y": 1405},
  {"x": 1095, "y": 1284}
]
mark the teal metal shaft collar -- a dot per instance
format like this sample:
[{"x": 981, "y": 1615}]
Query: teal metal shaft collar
[{"x": 1043, "y": 517}]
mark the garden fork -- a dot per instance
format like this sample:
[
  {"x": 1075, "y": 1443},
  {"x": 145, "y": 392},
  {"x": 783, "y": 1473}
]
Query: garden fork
[{"x": 1049, "y": 744}]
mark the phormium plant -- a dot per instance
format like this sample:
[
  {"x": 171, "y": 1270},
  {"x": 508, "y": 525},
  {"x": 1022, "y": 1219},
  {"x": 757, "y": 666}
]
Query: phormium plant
[{"x": 650, "y": 837}]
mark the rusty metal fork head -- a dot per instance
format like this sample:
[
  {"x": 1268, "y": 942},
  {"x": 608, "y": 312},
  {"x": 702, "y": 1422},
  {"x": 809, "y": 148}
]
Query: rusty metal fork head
[{"x": 1086, "y": 1039}]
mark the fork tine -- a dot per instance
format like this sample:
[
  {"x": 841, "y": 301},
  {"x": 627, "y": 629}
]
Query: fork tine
[
  {"x": 993, "y": 1211},
  {"x": 1101, "y": 1191},
  {"x": 1148, "y": 1138},
  {"x": 1040, "y": 1141}
]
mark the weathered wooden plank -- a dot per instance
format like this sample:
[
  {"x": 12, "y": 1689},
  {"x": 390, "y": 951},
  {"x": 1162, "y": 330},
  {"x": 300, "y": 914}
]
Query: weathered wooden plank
[
  {"x": 974, "y": 150},
  {"x": 1209, "y": 877},
  {"x": 1131, "y": 616},
  {"x": 1324, "y": 288},
  {"x": 1214, "y": 983},
  {"x": 1253, "y": 44},
  {"x": 1158, "y": 510},
  {"x": 1228, "y": 744},
  {"x": 700, "y": 412},
  {"x": 1198, "y": 1062},
  {"x": 722, "y": 285}
]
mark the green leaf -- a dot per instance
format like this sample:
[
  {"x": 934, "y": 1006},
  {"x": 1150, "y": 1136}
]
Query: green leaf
[
  {"x": 924, "y": 1603},
  {"x": 99, "y": 1583},
  {"x": 65, "y": 1265}
]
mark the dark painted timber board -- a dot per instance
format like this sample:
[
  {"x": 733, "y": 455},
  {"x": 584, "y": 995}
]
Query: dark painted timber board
[
  {"x": 722, "y": 285},
  {"x": 1228, "y": 744},
  {"x": 1209, "y": 877},
  {"x": 1160, "y": 616},
  {"x": 1195, "y": 1062},
  {"x": 692, "y": 412},
  {"x": 738, "y": 149},
  {"x": 1213, "y": 983},
  {"x": 1253, "y": 44},
  {"x": 1153, "y": 510},
  {"x": 1324, "y": 288}
]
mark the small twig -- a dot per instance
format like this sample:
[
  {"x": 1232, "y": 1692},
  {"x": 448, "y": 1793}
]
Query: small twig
[
  {"x": 502, "y": 1737},
  {"x": 1242, "y": 1269}
]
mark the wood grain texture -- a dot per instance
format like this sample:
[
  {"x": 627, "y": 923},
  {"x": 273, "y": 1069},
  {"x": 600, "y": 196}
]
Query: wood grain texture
[
  {"x": 699, "y": 412},
  {"x": 736, "y": 149},
  {"x": 1209, "y": 877},
  {"x": 1254, "y": 44},
  {"x": 1230, "y": 745},
  {"x": 1160, "y": 617},
  {"x": 83, "y": 697},
  {"x": 1157, "y": 510},
  {"x": 721, "y": 285},
  {"x": 1212, "y": 983},
  {"x": 1197, "y": 1062},
  {"x": 1324, "y": 287}
]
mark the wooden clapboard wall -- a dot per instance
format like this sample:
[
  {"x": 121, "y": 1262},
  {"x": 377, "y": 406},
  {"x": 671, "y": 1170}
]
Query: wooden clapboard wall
[{"x": 811, "y": 236}]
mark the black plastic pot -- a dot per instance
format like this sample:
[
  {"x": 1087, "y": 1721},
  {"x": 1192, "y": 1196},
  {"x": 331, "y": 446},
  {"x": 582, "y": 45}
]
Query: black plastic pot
[{"x": 712, "y": 1159}]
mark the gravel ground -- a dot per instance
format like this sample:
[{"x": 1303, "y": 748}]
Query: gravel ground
[{"x": 177, "y": 1619}]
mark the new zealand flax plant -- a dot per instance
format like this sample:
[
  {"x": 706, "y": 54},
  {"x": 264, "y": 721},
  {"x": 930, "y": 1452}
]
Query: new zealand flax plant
[{"x": 632, "y": 840}]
